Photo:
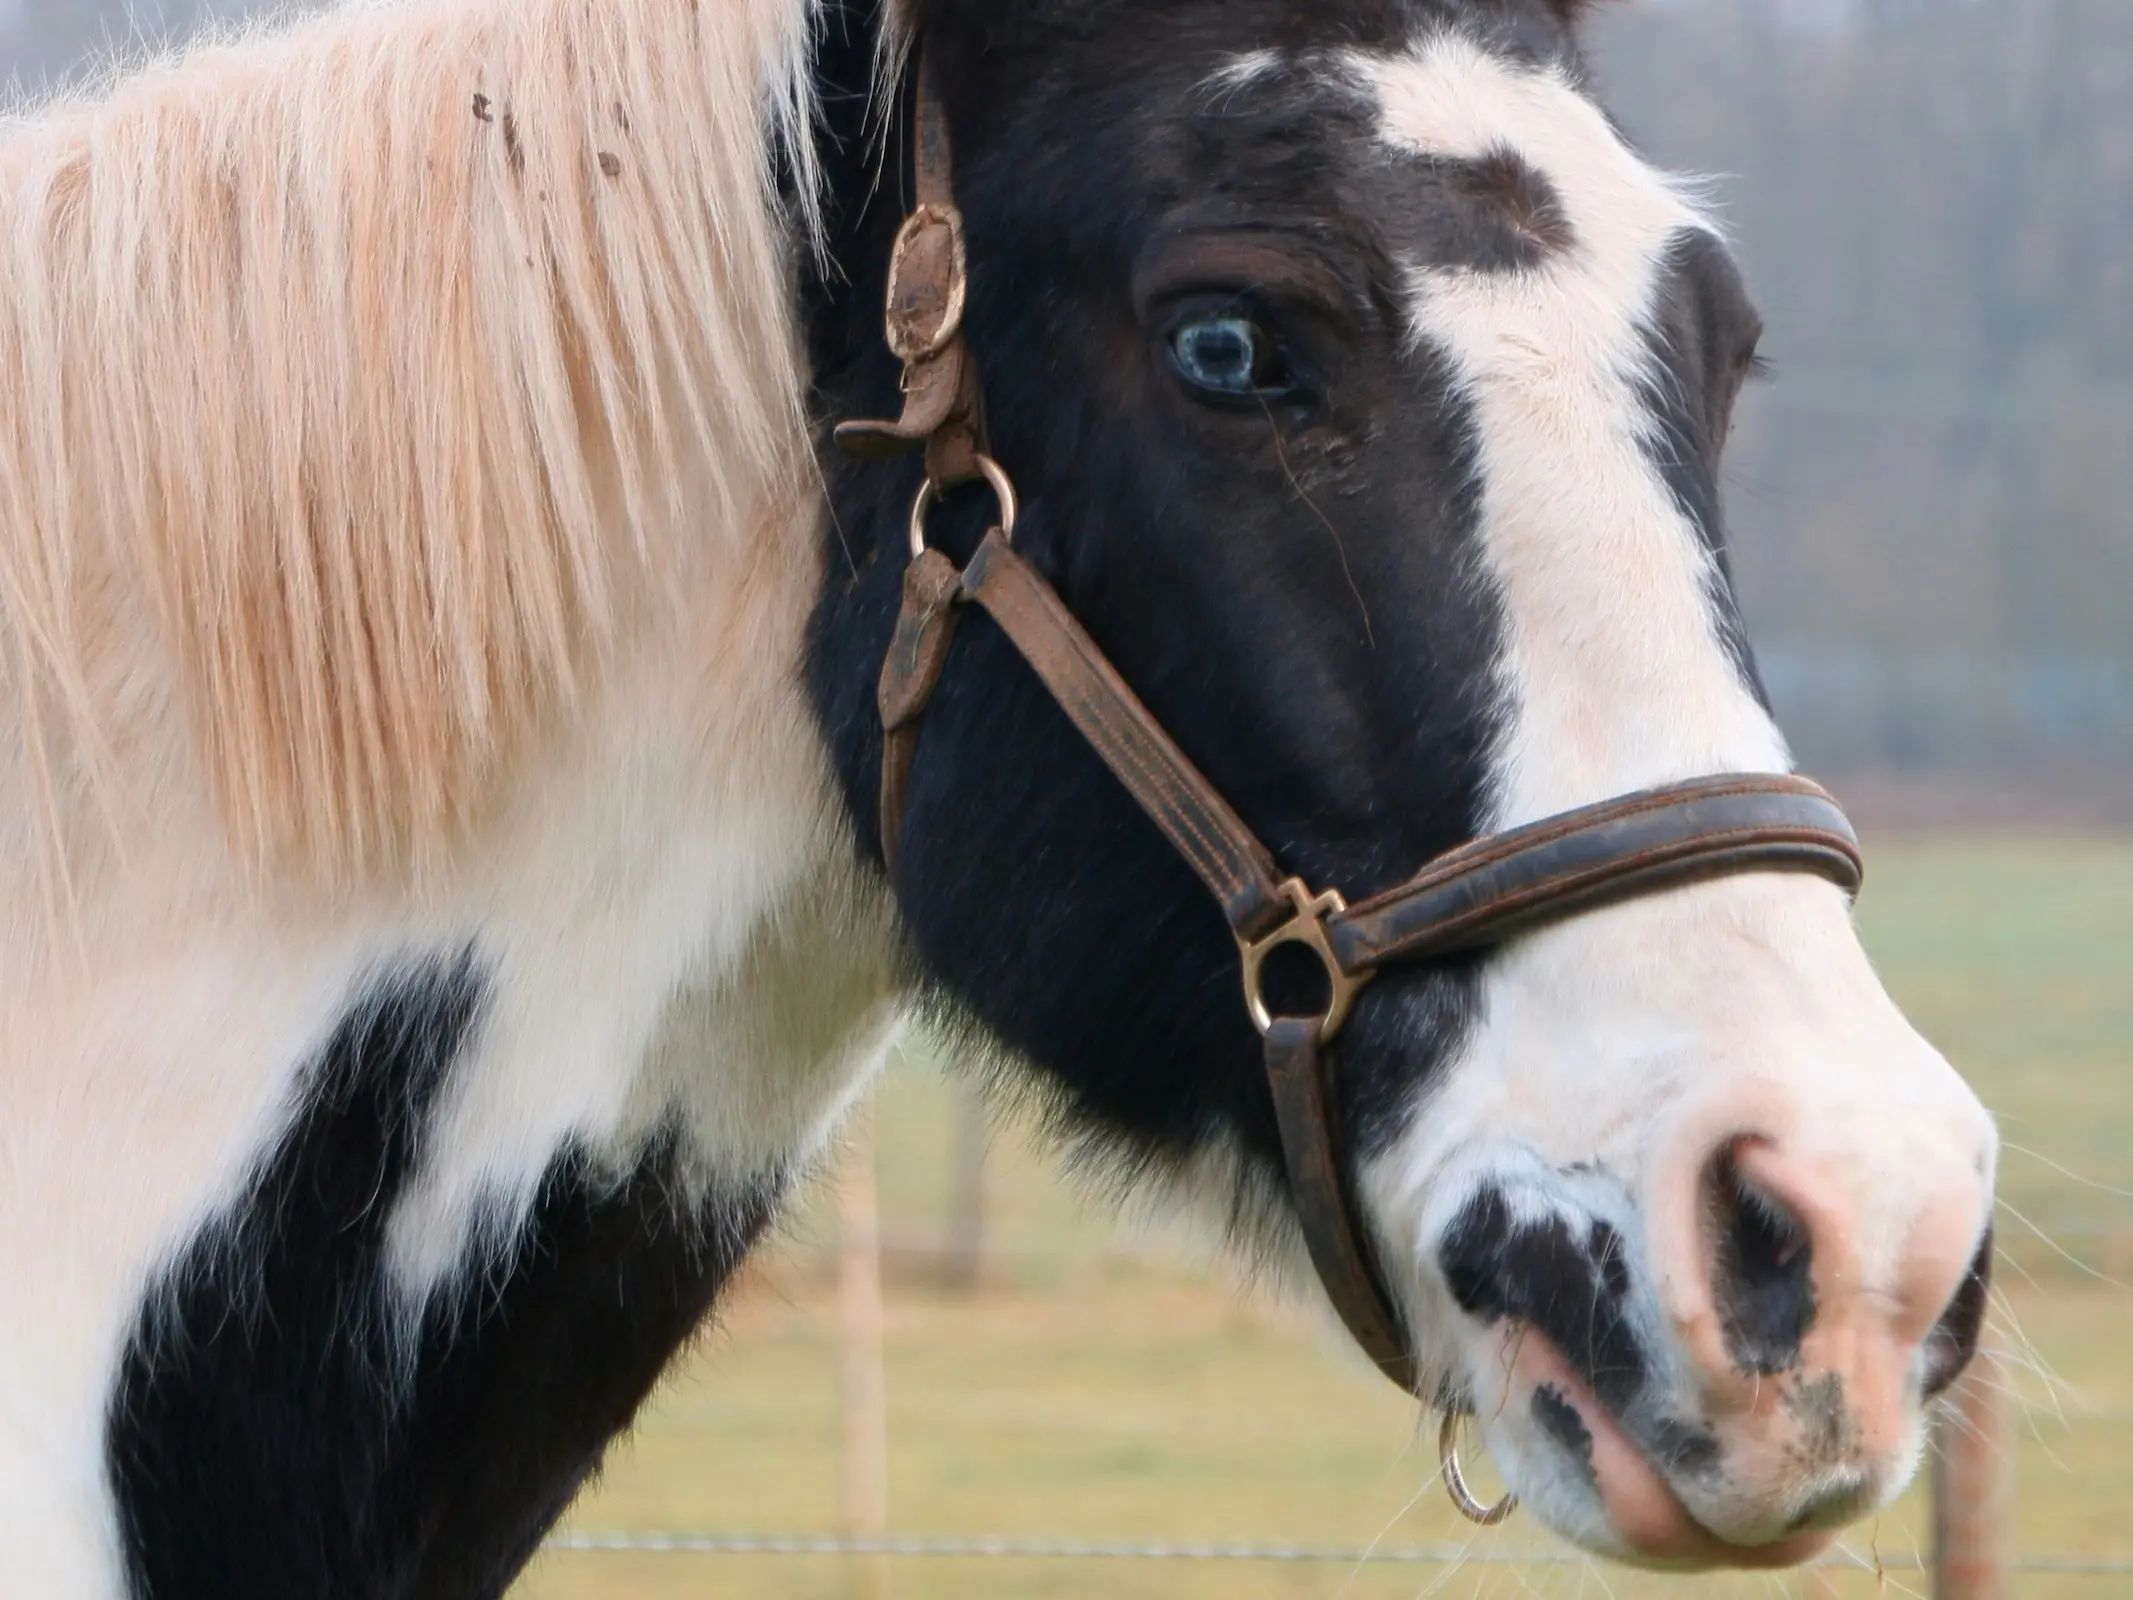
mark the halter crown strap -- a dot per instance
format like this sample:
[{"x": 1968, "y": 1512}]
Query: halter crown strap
[
  {"x": 1194, "y": 817},
  {"x": 1471, "y": 898}
]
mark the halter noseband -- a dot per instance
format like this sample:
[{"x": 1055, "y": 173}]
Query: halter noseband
[{"x": 1472, "y": 898}]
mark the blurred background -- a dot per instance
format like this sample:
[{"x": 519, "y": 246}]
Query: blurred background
[{"x": 1932, "y": 502}]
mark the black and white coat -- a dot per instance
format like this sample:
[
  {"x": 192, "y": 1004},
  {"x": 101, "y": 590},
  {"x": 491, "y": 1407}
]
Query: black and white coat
[{"x": 443, "y": 918}]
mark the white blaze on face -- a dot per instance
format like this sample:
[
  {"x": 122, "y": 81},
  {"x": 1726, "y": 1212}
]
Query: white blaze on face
[
  {"x": 1612, "y": 653},
  {"x": 1631, "y": 1044}
]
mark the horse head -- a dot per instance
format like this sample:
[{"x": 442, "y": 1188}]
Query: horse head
[{"x": 1366, "y": 393}]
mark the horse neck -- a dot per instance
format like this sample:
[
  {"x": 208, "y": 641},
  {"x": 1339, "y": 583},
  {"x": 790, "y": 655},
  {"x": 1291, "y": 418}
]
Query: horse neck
[{"x": 636, "y": 831}]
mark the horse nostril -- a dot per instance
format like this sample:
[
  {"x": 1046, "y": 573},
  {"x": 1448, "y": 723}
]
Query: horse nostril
[
  {"x": 1954, "y": 1338},
  {"x": 1761, "y": 1261}
]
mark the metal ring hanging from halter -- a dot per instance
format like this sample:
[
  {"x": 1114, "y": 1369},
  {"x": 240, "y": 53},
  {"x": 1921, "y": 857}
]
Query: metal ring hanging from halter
[
  {"x": 1455, "y": 1480},
  {"x": 1003, "y": 491}
]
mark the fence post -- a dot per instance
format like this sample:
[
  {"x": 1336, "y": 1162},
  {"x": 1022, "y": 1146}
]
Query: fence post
[
  {"x": 862, "y": 1387},
  {"x": 966, "y": 1222},
  {"x": 1974, "y": 1486}
]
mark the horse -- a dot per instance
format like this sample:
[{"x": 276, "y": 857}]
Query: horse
[{"x": 448, "y": 905}]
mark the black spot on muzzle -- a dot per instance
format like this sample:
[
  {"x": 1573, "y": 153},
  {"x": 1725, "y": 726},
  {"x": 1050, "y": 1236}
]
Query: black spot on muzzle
[
  {"x": 1559, "y": 1419},
  {"x": 1570, "y": 1284}
]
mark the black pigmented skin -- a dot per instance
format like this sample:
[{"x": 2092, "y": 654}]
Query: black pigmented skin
[
  {"x": 1762, "y": 1279},
  {"x": 1571, "y": 1289},
  {"x": 269, "y": 1437},
  {"x": 1559, "y": 1419}
]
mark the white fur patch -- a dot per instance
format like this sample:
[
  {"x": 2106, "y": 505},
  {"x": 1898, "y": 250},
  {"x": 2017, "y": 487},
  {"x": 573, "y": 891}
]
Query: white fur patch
[{"x": 1612, "y": 652}]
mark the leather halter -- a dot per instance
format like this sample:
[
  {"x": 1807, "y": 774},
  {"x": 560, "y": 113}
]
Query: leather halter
[{"x": 1473, "y": 898}]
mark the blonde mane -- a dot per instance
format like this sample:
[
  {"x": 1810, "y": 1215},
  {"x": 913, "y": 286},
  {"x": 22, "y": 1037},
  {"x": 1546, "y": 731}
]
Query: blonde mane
[{"x": 370, "y": 369}]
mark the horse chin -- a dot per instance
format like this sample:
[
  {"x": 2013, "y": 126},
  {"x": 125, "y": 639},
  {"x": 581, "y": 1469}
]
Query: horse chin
[{"x": 1577, "y": 1469}]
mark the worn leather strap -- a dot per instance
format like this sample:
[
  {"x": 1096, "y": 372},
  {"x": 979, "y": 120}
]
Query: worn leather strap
[
  {"x": 1510, "y": 883},
  {"x": 910, "y": 672},
  {"x": 1296, "y": 1072},
  {"x": 944, "y": 399},
  {"x": 1193, "y": 816}
]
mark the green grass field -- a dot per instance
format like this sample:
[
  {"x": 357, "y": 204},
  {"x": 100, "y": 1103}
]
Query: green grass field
[{"x": 1107, "y": 1383}]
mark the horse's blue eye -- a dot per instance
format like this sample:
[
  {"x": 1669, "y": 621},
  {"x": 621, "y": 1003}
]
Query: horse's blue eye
[{"x": 1228, "y": 356}]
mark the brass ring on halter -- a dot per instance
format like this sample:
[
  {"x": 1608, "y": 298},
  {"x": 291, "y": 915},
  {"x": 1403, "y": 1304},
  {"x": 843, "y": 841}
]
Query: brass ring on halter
[
  {"x": 1455, "y": 1480},
  {"x": 1003, "y": 491},
  {"x": 1307, "y": 927}
]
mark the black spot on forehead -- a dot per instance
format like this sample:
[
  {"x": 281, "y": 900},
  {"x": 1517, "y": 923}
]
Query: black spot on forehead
[
  {"x": 1296, "y": 143},
  {"x": 1495, "y": 214}
]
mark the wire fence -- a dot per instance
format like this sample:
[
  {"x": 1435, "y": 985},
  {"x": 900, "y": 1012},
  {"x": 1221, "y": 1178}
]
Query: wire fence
[{"x": 1000, "y": 1548}]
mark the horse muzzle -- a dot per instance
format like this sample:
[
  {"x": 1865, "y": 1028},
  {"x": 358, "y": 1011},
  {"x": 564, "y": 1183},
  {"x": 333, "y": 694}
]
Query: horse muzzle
[{"x": 1727, "y": 1366}]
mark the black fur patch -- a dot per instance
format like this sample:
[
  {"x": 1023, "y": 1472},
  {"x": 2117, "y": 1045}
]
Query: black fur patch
[
  {"x": 1495, "y": 214},
  {"x": 270, "y": 1437},
  {"x": 1702, "y": 349},
  {"x": 1574, "y": 1291},
  {"x": 1559, "y": 1419},
  {"x": 1954, "y": 1339},
  {"x": 1294, "y": 589},
  {"x": 1562, "y": 1284}
]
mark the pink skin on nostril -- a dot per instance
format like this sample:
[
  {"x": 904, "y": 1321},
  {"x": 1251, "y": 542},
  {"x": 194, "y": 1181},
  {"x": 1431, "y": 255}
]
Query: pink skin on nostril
[{"x": 1869, "y": 1336}]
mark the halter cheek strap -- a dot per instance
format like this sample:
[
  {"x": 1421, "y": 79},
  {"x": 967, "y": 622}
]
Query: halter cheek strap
[{"x": 1471, "y": 899}]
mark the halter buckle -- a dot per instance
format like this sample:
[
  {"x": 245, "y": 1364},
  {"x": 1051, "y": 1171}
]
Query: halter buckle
[
  {"x": 929, "y": 284},
  {"x": 1307, "y": 928}
]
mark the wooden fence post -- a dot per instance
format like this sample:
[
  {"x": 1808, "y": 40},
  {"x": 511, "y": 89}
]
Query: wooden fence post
[
  {"x": 862, "y": 1386},
  {"x": 1974, "y": 1487},
  {"x": 965, "y": 1254}
]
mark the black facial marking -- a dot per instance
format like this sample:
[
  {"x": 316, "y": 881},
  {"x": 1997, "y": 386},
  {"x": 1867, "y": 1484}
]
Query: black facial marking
[
  {"x": 1559, "y": 1419},
  {"x": 1954, "y": 1339},
  {"x": 1544, "y": 1274},
  {"x": 272, "y": 1434},
  {"x": 1495, "y": 214},
  {"x": 1701, "y": 347},
  {"x": 1612, "y": 1253}
]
